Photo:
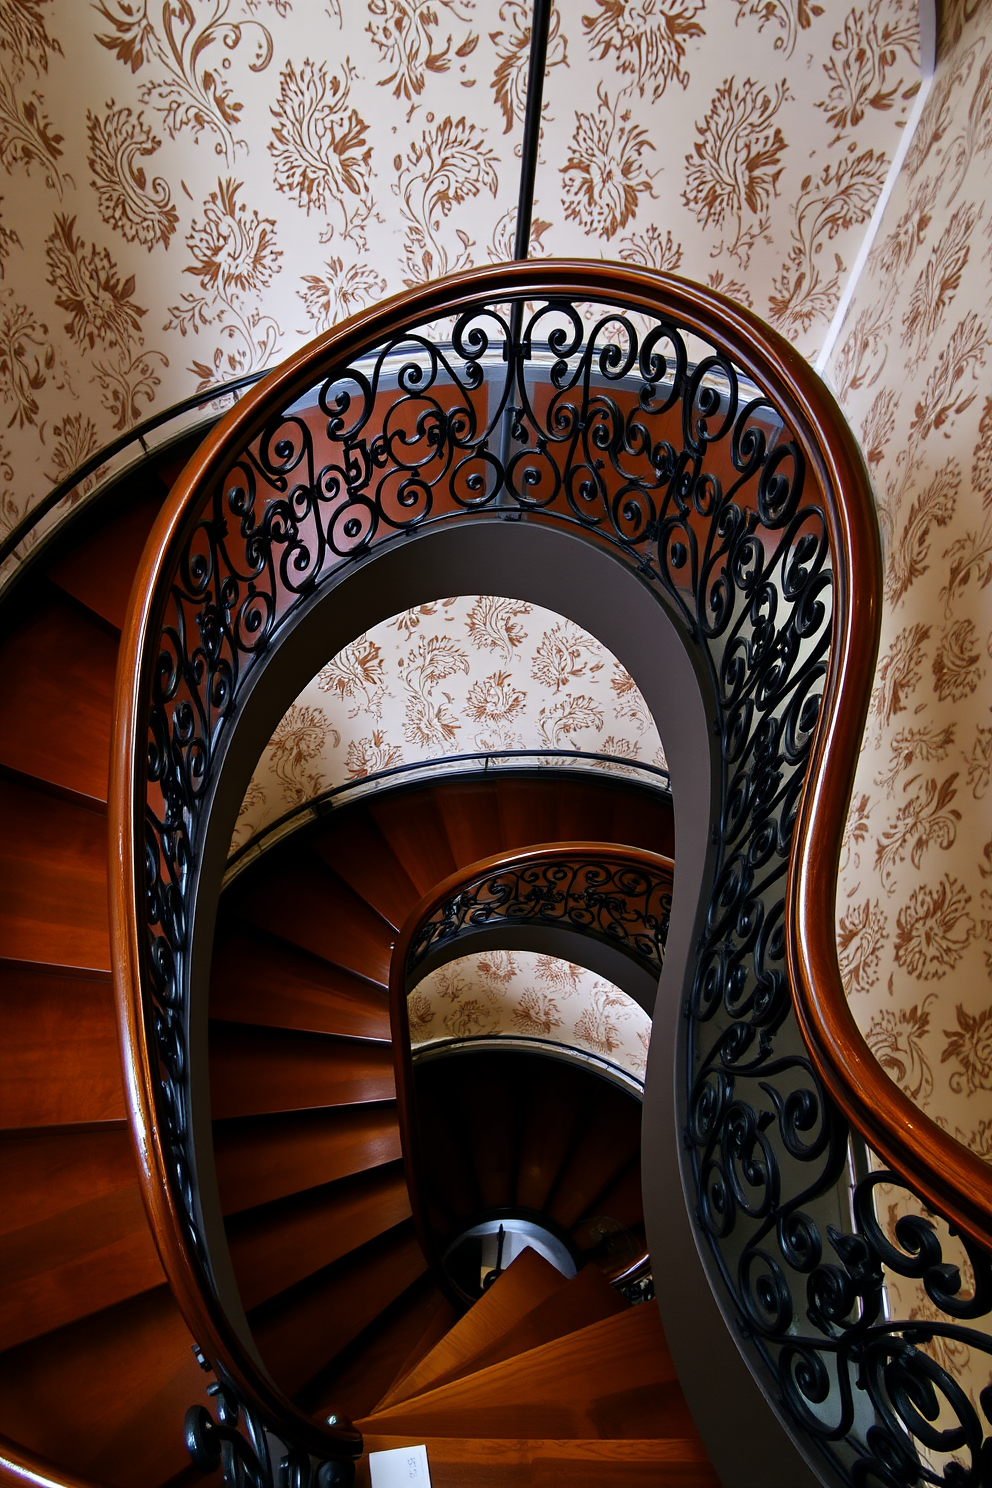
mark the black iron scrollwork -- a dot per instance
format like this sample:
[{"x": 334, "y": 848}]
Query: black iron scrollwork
[
  {"x": 624, "y": 905},
  {"x": 236, "y": 1443},
  {"x": 627, "y": 429}
]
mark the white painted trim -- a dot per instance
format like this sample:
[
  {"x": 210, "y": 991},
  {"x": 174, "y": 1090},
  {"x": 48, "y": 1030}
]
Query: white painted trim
[{"x": 928, "y": 61}]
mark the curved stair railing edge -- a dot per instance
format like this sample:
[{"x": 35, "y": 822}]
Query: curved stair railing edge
[
  {"x": 440, "y": 919},
  {"x": 962, "y": 1187}
]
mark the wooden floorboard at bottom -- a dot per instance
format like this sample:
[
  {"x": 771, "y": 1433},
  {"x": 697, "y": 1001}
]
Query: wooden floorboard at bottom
[{"x": 475, "y": 1462}]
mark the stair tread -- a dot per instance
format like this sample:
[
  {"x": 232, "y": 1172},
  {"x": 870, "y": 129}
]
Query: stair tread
[
  {"x": 53, "y": 881},
  {"x": 470, "y": 813},
  {"x": 609, "y": 1137},
  {"x": 100, "y": 569},
  {"x": 506, "y": 1462},
  {"x": 105, "y": 1393},
  {"x": 254, "y": 1071},
  {"x": 587, "y": 1298},
  {"x": 614, "y": 1378},
  {"x": 75, "y": 1263},
  {"x": 328, "y": 918},
  {"x": 299, "y": 1332},
  {"x": 357, "y": 849},
  {"x": 256, "y": 978},
  {"x": 412, "y": 825},
  {"x": 283, "y": 1243},
  {"x": 262, "y": 1158},
  {"x": 58, "y": 667},
  {"x": 528, "y": 1281},
  {"x": 61, "y": 1057}
]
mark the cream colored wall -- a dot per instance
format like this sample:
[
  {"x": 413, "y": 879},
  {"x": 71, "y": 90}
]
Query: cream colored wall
[
  {"x": 526, "y": 994},
  {"x": 468, "y": 674},
  {"x": 913, "y": 371},
  {"x": 193, "y": 190}
]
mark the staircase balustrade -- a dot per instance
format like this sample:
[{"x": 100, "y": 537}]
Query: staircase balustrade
[{"x": 668, "y": 428}]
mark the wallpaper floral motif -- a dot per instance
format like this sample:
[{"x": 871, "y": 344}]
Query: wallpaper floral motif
[
  {"x": 467, "y": 674},
  {"x": 912, "y": 370},
  {"x": 193, "y": 188},
  {"x": 524, "y": 993}
]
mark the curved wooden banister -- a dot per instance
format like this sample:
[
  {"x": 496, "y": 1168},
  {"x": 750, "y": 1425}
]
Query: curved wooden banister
[
  {"x": 413, "y": 945},
  {"x": 213, "y": 504},
  {"x": 20, "y": 1468}
]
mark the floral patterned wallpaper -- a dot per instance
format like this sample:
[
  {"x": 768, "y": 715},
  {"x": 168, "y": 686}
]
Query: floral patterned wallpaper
[
  {"x": 466, "y": 674},
  {"x": 524, "y": 993},
  {"x": 195, "y": 187},
  {"x": 912, "y": 370}
]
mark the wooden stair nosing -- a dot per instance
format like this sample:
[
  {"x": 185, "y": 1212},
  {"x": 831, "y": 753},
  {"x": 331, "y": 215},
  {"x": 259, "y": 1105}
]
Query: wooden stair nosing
[{"x": 576, "y": 1462}]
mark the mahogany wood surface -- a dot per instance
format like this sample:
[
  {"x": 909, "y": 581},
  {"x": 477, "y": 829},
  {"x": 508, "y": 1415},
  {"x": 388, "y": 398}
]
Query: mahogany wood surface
[
  {"x": 551, "y": 1111},
  {"x": 102, "y": 1393},
  {"x": 297, "y": 1333},
  {"x": 587, "y": 1298},
  {"x": 528, "y": 811},
  {"x": 524, "y": 1285},
  {"x": 283, "y": 1243},
  {"x": 414, "y": 829},
  {"x": 356, "y": 1380},
  {"x": 295, "y": 895},
  {"x": 51, "y": 1172},
  {"x": 609, "y": 1136},
  {"x": 61, "y": 1062},
  {"x": 500, "y": 1462},
  {"x": 100, "y": 569},
  {"x": 53, "y": 881},
  {"x": 258, "y": 978},
  {"x": 470, "y": 813},
  {"x": 74, "y": 1263},
  {"x": 449, "y": 1168},
  {"x": 263, "y": 1158},
  {"x": 623, "y": 1200},
  {"x": 258, "y": 1070},
  {"x": 357, "y": 849},
  {"x": 614, "y": 1378},
  {"x": 485, "y": 1103},
  {"x": 58, "y": 670}
]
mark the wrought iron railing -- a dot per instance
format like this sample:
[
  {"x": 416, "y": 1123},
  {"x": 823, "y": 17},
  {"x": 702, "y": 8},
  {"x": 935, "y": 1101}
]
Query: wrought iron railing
[{"x": 667, "y": 428}]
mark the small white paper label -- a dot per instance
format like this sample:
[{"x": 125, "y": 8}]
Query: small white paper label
[{"x": 400, "y": 1467}]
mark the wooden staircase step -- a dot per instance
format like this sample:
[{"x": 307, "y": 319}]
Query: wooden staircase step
[
  {"x": 274, "y": 1248},
  {"x": 254, "y": 1071},
  {"x": 529, "y": 1281},
  {"x": 612, "y": 1379},
  {"x": 328, "y": 918},
  {"x": 45, "y": 1173},
  {"x": 299, "y": 1332},
  {"x": 75, "y": 1263},
  {"x": 356, "y": 848},
  {"x": 528, "y": 811},
  {"x": 107, "y": 1394},
  {"x": 552, "y": 1108},
  {"x": 61, "y": 1062},
  {"x": 470, "y": 813},
  {"x": 501, "y": 1462},
  {"x": 100, "y": 569},
  {"x": 585, "y": 811},
  {"x": 258, "y": 979},
  {"x": 58, "y": 670},
  {"x": 412, "y": 825},
  {"x": 449, "y": 1172},
  {"x": 262, "y": 1158},
  {"x": 623, "y": 1199},
  {"x": 643, "y": 821},
  {"x": 401, "y": 1335},
  {"x": 53, "y": 881},
  {"x": 587, "y": 1298},
  {"x": 609, "y": 1137}
]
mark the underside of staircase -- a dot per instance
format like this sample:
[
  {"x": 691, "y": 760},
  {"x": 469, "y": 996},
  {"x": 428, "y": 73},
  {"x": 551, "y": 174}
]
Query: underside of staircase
[{"x": 543, "y": 1380}]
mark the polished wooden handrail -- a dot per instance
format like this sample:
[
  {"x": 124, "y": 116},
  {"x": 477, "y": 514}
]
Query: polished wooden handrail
[
  {"x": 952, "y": 1179},
  {"x": 20, "y": 1468},
  {"x": 552, "y": 853}
]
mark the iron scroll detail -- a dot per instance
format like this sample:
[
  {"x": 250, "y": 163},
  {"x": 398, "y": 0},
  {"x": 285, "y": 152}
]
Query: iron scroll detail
[{"x": 631, "y": 428}]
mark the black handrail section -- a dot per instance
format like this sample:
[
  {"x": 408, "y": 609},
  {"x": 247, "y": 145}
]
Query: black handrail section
[{"x": 658, "y": 779}]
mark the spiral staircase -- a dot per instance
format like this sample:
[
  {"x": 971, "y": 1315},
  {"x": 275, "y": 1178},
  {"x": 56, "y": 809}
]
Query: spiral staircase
[{"x": 311, "y": 1293}]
